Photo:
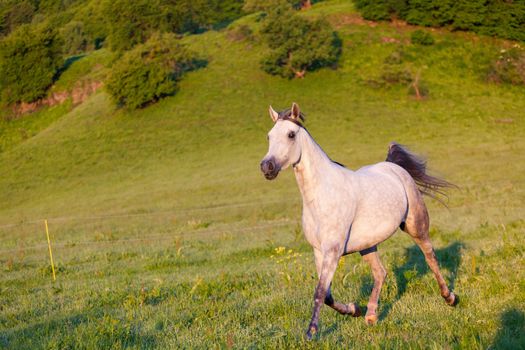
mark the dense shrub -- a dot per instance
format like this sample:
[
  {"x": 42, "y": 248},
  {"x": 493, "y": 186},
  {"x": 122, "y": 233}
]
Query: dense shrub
[
  {"x": 418, "y": 88},
  {"x": 131, "y": 22},
  {"x": 509, "y": 67},
  {"x": 214, "y": 13},
  {"x": 95, "y": 28},
  {"x": 395, "y": 57},
  {"x": 16, "y": 15},
  {"x": 504, "y": 19},
  {"x": 124, "y": 23},
  {"x": 420, "y": 37},
  {"x": 29, "y": 61},
  {"x": 149, "y": 71},
  {"x": 74, "y": 37},
  {"x": 374, "y": 10},
  {"x": 269, "y": 5},
  {"x": 298, "y": 45},
  {"x": 52, "y": 6},
  {"x": 240, "y": 33},
  {"x": 391, "y": 75},
  {"x": 397, "y": 70}
]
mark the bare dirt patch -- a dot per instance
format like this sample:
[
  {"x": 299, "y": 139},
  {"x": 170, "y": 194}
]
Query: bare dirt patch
[{"x": 78, "y": 94}]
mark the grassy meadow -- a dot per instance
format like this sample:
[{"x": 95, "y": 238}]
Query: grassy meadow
[{"x": 166, "y": 235}]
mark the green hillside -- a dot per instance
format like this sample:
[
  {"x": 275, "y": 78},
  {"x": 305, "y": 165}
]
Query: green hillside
[{"x": 166, "y": 235}]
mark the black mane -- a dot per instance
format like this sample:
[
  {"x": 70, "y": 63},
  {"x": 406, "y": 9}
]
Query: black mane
[{"x": 287, "y": 115}]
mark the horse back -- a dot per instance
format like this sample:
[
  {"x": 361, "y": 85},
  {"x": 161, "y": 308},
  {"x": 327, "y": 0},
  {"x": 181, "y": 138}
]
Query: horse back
[{"x": 382, "y": 192}]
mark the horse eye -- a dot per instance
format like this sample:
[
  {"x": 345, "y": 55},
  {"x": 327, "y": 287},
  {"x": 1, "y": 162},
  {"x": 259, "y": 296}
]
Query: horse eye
[{"x": 291, "y": 134}]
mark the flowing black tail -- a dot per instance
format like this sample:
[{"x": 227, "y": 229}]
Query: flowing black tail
[{"x": 417, "y": 167}]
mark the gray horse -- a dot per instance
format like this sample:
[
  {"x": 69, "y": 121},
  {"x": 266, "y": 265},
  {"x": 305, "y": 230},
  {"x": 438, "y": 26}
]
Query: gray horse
[{"x": 348, "y": 211}]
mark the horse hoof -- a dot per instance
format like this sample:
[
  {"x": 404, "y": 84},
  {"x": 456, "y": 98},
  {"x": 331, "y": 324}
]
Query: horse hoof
[
  {"x": 355, "y": 310},
  {"x": 371, "y": 319},
  {"x": 452, "y": 299},
  {"x": 311, "y": 332}
]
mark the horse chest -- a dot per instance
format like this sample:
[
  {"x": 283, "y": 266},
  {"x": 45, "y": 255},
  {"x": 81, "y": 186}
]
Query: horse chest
[{"x": 326, "y": 223}]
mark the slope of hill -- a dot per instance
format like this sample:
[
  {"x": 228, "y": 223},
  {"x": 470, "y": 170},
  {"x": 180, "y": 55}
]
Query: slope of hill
[{"x": 165, "y": 228}]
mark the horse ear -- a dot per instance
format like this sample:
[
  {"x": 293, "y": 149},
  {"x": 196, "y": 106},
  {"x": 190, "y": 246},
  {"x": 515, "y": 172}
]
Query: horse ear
[
  {"x": 296, "y": 112},
  {"x": 273, "y": 114}
]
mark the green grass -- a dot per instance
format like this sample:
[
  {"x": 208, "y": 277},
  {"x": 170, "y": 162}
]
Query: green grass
[
  {"x": 166, "y": 235},
  {"x": 15, "y": 131},
  {"x": 81, "y": 68},
  {"x": 80, "y": 71}
]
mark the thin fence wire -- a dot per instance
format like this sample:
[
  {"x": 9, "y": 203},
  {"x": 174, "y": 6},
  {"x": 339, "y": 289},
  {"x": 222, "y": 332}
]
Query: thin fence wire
[
  {"x": 155, "y": 237},
  {"x": 130, "y": 215}
]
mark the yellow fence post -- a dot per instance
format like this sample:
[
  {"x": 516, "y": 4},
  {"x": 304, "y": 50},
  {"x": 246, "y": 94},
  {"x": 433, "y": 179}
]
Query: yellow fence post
[{"x": 50, "y": 253}]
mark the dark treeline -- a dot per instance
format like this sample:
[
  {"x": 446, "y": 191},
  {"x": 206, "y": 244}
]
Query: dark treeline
[
  {"x": 122, "y": 23},
  {"x": 504, "y": 19},
  {"x": 36, "y": 35}
]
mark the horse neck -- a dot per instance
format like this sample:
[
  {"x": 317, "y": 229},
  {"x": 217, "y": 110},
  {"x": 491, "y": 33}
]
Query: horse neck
[{"x": 313, "y": 167}]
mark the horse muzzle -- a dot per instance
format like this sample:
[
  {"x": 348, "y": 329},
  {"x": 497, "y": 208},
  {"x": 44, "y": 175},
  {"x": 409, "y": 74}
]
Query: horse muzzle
[{"x": 270, "y": 168}]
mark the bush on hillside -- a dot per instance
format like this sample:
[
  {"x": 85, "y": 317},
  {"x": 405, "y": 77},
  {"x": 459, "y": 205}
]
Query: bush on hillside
[
  {"x": 14, "y": 15},
  {"x": 391, "y": 75},
  {"x": 74, "y": 37},
  {"x": 420, "y": 37},
  {"x": 53, "y": 6},
  {"x": 504, "y": 19},
  {"x": 240, "y": 33},
  {"x": 298, "y": 45},
  {"x": 208, "y": 14},
  {"x": 95, "y": 29},
  {"x": 149, "y": 71},
  {"x": 269, "y": 5},
  {"x": 124, "y": 23},
  {"x": 374, "y": 10},
  {"x": 397, "y": 71},
  {"x": 418, "y": 88},
  {"x": 509, "y": 67},
  {"x": 30, "y": 58},
  {"x": 132, "y": 22}
]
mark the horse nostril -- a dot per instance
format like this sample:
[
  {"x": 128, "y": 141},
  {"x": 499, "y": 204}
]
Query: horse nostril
[
  {"x": 264, "y": 166},
  {"x": 271, "y": 166}
]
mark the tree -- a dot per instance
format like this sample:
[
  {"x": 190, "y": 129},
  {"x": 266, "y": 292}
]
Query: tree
[
  {"x": 15, "y": 15},
  {"x": 29, "y": 61},
  {"x": 75, "y": 37},
  {"x": 505, "y": 19},
  {"x": 269, "y": 5},
  {"x": 130, "y": 22},
  {"x": 298, "y": 45},
  {"x": 149, "y": 71}
]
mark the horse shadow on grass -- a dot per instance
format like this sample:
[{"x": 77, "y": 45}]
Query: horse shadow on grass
[
  {"x": 61, "y": 332},
  {"x": 511, "y": 334},
  {"x": 415, "y": 267}
]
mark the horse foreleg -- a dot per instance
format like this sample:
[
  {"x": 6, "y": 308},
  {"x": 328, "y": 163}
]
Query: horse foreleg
[
  {"x": 344, "y": 309},
  {"x": 379, "y": 273},
  {"x": 326, "y": 273}
]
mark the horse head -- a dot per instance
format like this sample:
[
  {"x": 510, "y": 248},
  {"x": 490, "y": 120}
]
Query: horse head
[{"x": 284, "y": 146}]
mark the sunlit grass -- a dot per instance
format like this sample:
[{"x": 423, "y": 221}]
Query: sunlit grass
[{"x": 167, "y": 236}]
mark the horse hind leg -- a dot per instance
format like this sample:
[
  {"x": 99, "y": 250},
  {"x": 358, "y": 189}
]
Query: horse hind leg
[
  {"x": 371, "y": 256},
  {"x": 416, "y": 225}
]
